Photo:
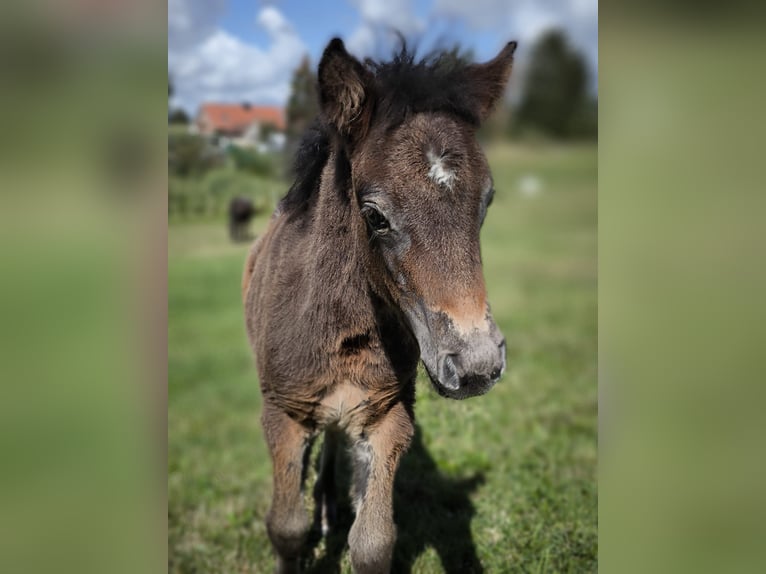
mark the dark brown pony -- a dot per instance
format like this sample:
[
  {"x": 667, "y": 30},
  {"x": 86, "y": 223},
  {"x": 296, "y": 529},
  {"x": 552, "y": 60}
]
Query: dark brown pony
[{"x": 371, "y": 263}]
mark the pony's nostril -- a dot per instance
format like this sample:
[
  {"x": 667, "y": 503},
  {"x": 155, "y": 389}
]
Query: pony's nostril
[{"x": 448, "y": 372}]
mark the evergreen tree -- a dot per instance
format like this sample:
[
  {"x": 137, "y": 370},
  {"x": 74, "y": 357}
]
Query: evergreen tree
[
  {"x": 554, "y": 98},
  {"x": 303, "y": 105},
  {"x": 178, "y": 116}
]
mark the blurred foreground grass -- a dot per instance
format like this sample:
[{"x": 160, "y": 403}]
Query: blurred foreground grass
[{"x": 507, "y": 481}]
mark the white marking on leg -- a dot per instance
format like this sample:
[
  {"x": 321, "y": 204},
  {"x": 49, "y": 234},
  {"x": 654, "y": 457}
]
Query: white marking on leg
[{"x": 362, "y": 456}]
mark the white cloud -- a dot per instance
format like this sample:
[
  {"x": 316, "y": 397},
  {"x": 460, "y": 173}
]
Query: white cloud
[
  {"x": 513, "y": 15},
  {"x": 521, "y": 20},
  {"x": 273, "y": 21},
  {"x": 525, "y": 20},
  {"x": 381, "y": 19},
  {"x": 209, "y": 64},
  {"x": 396, "y": 14},
  {"x": 191, "y": 21},
  {"x": 479, "y": 14},
  {"x": 362, "y": 41},
  {"x": 585, "y": 8}
]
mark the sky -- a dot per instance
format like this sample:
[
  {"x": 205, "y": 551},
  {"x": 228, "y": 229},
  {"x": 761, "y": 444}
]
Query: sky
[{"x": 247, "y": 50}]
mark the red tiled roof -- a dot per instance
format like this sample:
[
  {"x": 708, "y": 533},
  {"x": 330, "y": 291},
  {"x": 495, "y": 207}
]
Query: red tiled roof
[{"x": 237, "y": 117}]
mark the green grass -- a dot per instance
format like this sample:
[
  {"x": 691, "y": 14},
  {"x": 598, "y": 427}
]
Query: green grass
[{"x": 506, "y": 481}]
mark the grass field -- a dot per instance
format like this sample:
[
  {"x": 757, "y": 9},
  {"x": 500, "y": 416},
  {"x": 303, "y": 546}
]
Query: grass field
[{"x": 500, "y": 483}]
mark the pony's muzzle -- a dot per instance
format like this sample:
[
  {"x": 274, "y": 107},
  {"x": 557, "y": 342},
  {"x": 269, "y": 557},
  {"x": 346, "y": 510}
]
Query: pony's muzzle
[{"x": 471, "y": 372}]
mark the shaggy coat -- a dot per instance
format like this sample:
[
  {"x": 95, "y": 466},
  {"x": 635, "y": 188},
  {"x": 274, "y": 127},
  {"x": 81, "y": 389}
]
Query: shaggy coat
[{"x": 370, "y": 264}]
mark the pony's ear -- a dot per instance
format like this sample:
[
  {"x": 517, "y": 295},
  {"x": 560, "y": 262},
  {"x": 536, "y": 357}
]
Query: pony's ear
[
  {"x": 490, "y": 79},
  {"x": 345, "y": 91}
]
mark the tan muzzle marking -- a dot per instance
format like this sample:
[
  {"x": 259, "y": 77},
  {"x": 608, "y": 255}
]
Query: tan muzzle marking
[{"x": 468, "y": 315}]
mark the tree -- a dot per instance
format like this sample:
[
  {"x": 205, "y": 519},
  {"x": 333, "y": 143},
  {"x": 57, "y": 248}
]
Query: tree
[
  {"x": 303, "y": 105},
  {"x": 554, "y": 98},
  {"x": 178, "y": 116},
  {"x": 191, "y": 155}
]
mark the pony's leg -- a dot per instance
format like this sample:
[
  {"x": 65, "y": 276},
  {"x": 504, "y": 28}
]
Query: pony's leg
[
  {"x": 326, "y": 510},
  {"x": 287, "y": 522},
  {"x": 376, "y": 453}
]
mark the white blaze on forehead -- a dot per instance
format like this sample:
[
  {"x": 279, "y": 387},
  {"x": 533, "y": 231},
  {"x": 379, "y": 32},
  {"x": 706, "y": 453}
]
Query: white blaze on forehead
[{"x": 439, "y": 172}]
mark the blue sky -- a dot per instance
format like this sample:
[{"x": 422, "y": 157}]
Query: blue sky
[{"x": 246, "y": 50}]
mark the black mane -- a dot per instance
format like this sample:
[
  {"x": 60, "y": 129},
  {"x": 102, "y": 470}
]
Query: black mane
[
  {"x": 309, "y": 161},
  {"x": 439, "y": 82}
]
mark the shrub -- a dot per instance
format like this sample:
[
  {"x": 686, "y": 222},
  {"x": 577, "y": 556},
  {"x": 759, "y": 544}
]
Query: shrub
[
  {"x": 190, "y": 155},
  {"x": 187, "y": 198},
  {"x": 209, "y": 196},
  {"x": 251, "y": 161}
]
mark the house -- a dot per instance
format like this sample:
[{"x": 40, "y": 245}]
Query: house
[{"x": 242, "y": 124}]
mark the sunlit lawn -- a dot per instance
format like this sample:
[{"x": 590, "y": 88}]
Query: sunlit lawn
[{"x": 506, "y": 482}]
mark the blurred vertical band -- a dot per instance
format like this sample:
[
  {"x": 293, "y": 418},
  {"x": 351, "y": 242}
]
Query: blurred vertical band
[
  {"x": 681, "y": 280},
  {"x": 82, "y": 294}
]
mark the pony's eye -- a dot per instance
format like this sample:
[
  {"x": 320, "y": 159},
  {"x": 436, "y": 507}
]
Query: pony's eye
[
  {"x": 375, "y": 219},
  {"x": 486, "y": 204},
  {"x": 490, "y": 196}
]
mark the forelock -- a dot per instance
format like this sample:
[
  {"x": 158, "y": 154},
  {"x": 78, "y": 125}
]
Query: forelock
[{"x": 439, "y": 82}]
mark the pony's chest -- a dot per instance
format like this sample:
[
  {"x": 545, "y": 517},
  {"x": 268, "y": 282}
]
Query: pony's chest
[
  {"x": 345, "y": 406},
  {"x": 352, "y": 408}
]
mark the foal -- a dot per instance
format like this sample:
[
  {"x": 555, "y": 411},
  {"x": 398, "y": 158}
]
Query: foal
[{"x": 371, "y": 263}]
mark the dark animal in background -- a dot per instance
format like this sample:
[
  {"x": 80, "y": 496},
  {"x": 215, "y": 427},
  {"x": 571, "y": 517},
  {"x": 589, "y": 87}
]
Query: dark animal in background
[
  {"x": 371, "y": 263},
  {"x": 241, "y": 211}
]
